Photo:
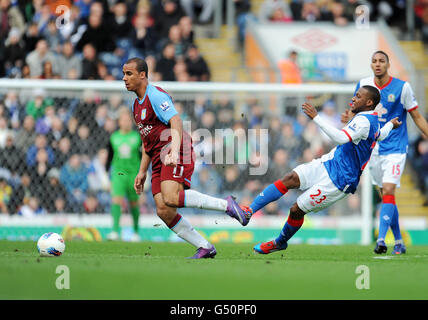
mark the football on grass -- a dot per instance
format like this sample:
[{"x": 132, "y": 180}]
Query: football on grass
[{"x": 51, "y": 244}]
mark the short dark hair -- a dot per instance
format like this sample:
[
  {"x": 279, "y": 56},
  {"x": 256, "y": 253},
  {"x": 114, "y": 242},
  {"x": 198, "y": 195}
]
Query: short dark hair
[
  {"x": 141, "y": 65},
  {"x": 374, "y": 94},
  {"x": 381, "y": 52}
]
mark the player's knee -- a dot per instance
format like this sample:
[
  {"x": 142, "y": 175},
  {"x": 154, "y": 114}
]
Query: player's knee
[
  {"x": 170, "y": 199},
  {"x": 291, "y": 180},
  {"x": 388, "y": 190},
  {"x": 296, "y": 213},
  {"x": 162, "y": 212}
]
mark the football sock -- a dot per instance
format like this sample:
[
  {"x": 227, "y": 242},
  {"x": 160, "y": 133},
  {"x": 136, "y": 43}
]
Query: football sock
[
  {"x": 387, "y": 212},
  {"x": 185, "y": 231},
  {"x": 289, "y": 229},
  {"x": 195, "y": 199},
  {"x": 115, "y": 212},
  {"x": 135, "y": 211},
  {"x": 271, "y": 193},
  {"x": 395, "y": 226}
]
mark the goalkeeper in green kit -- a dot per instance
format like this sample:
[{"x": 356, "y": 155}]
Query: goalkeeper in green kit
[{"x": 124, "y": 160}]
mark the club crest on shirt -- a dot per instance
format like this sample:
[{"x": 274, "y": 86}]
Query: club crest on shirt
[
  {"x": 391, "y": 97},
  {"x": 143, "y": 114},
  {"x": 164, "y": 106}
]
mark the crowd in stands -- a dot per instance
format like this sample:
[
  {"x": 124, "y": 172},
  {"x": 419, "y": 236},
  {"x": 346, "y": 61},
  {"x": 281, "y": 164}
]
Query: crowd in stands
[
  {"x": 93, "y": 38},
  {"x": 53, "y": 149}
]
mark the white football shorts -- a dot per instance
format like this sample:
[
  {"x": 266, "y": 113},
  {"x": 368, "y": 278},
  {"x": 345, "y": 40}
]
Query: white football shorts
[
  {"x": 387, "y": 168},
  {"x": 320, "y": 190}
]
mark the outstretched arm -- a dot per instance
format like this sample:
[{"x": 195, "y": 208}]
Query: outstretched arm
[
  {"x": 338, "y": 136},
  {"x": 386, "y": 129}
]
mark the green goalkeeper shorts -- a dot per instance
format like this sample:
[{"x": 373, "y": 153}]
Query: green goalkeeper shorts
[{"x": 122, "y": 185}]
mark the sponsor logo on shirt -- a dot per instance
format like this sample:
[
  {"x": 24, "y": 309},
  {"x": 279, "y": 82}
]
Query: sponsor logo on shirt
[
  {"x": 145, "y": 130},
  {"x": 164, "y": 106}
]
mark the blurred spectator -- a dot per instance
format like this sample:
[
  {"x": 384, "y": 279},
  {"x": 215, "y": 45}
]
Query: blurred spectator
[
  {"x": 48, "y": 72},
  {"x": 43, "y": 124},
  {"x": 289, "y": 69},
  {"x": 74, "y": 177},
  {"x": 84, "y": 146},
  {"x": 89, "y": 63},
  {"x": 10, "y": 17},
  {"x": 121, "y": 25},
  {"x": 62, "y": 152},
  {"x": 186, "y": 28},
  {"x": 165, "y": 65},
  {"x": 98, "y": 34},
  {"x": 84, "y": 8},
  {"x": 26, "y": 135},
  {"x": 280, "y": 16},
  {"x": 91, "y": 204},
  {"x": 166, "y": 16},
  {"x": 56, "y": 132},
  {"x": 4, "y": 132},
  {"x": 279, "y": 166},
  {"x": 11, "y": 157},
  {"x": 68, "y": 61},
  {"x": 143, "y": 36},
  {"x": 37, "y": 106},
  {"x": 338, "y": 13},
  {"x": 231, "y": 179},
  {"x": 22, "y": 193},
  {"x": 5, "y": 195},
  {"x": 31, "y": 208},
  {"x": 39, "y": 55},
  {"x": 98, "y": 177},
  {"x": 196, "y": 65},
  {"x": 13, "y": 108},
  {"x": 205, "y": 7},
  {"x": 174, "y": 37},
  {"x": 310, "y": 11},
  {"x": 14, "y": 50},
  {"x": 31, "y": 37},
  {"x": 290, "y": 141},
  {"x": 243, "y": 14},
  {"x": 39, "y": 172},
  {"x": 208, "y": 180},
  {"x": 42, "y": 17},
  {"x": 180, "y": 71},
  {"x": 53, "y": 36},
  {"x": 274, "y": 9},
  {"x": 55, "y": 193},
  {"x": 40, "y": 143}
]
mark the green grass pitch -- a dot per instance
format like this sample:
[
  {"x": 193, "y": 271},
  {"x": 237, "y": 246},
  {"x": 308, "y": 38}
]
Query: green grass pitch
[{"x": 147, "y": 270}]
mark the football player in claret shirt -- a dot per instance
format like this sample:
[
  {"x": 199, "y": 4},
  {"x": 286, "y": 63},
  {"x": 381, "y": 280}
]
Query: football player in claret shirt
[
  {"x": 389, "y": 156},
  {"x": 169, "y": 149},
  {"x": 331, "y": 177}
]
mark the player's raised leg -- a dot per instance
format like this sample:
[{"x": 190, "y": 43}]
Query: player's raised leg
[
  {"x": 194, "y": 199},
  {"x": 273, "y": 192},
  {"x": 178, "y": 223}
]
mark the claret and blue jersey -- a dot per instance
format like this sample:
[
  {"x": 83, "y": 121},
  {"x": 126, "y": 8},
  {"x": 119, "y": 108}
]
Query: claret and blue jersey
[
  {"x": 152, "y": 115},
  {"x": 397, "y": 98},
  {"x": 346, "y": 162}
]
